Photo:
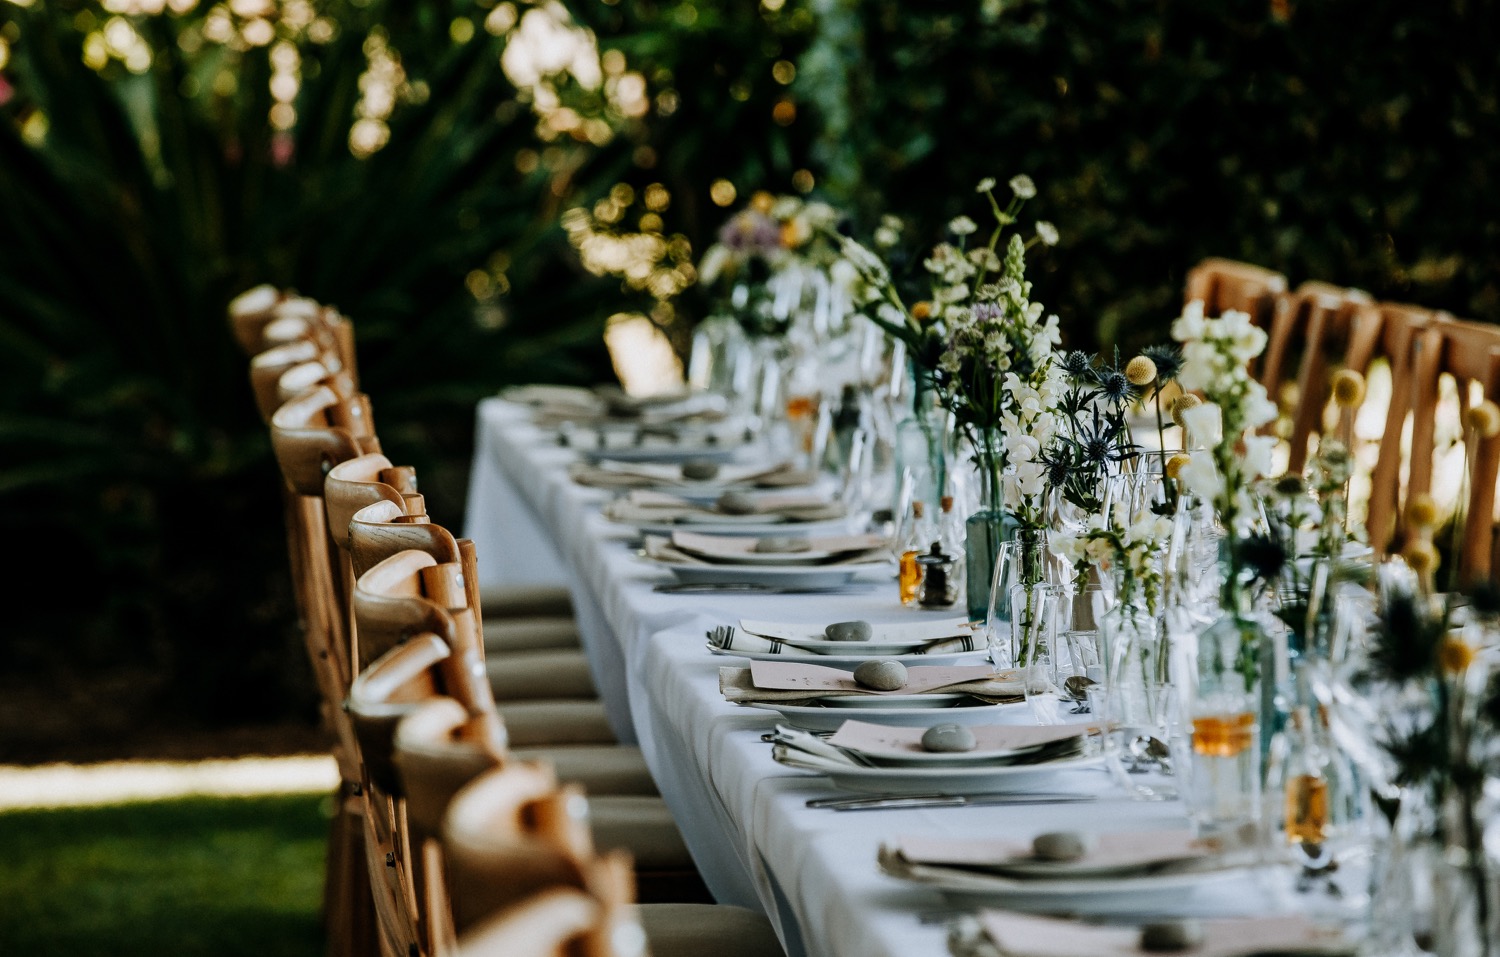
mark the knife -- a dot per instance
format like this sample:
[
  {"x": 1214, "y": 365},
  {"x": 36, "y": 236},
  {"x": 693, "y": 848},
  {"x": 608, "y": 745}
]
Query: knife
[{"x": 884, "y": 801}]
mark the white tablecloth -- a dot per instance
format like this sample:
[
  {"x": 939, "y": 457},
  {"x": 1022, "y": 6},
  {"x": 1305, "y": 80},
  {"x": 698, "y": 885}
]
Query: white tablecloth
[{"x": 743, "y": 815}]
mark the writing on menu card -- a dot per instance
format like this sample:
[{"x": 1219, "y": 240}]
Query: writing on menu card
[{"x": 796, "y": 676}]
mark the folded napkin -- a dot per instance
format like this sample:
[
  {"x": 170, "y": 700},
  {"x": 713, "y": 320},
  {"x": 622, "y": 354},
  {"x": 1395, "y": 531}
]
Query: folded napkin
[
  {"x": 742, "y": 641},
  {"x": 738, "y": 687},
  {"x": 1028, "y": 935},
  {"x": 559, "y": 400},
  {"x": 878, "y": 741}
]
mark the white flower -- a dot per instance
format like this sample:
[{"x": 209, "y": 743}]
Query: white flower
[
  {"x": 985, "y": 185},
  {"x": 1258, "y": 456},
  {"x": 1069, "y": 548},
  {"x": 885, "y": 236},
  {"x": 1200, "y": 476},
  {"x": 1047, "y": 233},
  {"x": 1201, "y": 365},
  {"x": 713, "y": 264},
  {"x": 961, "y": 226},
  {"x": 1190, "y": 325},
  {"x": 1205, "y": 423},
  {"x": 1022, "y": 186},
  {"x": 1257, "y": 408}
]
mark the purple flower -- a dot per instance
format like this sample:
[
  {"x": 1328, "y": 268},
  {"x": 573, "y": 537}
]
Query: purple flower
[{"x": 986, "y": 312}]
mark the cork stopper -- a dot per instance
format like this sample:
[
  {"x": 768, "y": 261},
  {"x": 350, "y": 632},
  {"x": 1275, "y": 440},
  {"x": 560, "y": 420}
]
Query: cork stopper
[
  {"x": 917, "y": 508},
  {"x": 947, "y": 503}
]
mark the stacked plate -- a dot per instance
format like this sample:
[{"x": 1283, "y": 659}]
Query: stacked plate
[
  {"x": 807, "y": 561},
  {"x": 867, "y": 757},
  {"x": 1116, "y": 869}
]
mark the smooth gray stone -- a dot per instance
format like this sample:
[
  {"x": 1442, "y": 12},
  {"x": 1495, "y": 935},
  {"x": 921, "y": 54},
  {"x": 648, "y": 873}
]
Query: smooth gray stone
[
  {"x": 948, "y": 737},
  {"x": 1061, "y": 845},
  {"x": 857, "y": 630},
  {"x": 782, "y": 543},
  {"x": 699, "y": 470},
  {"x": 1170, "y": 935},
  {"x": 736, "y": 503},
  {"x": 881, "y": 674}
]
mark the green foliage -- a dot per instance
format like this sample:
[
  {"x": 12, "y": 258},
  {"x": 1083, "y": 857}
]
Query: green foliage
[
  {"x": 1349, "y": 142},
  {"x": 200, "y": 876}
]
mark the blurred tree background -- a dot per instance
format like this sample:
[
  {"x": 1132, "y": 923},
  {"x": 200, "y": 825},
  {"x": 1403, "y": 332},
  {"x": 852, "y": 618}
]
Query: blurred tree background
[{"x": 481, "y": 185}]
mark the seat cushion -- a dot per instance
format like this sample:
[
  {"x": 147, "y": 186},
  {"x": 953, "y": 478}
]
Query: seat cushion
[
  {"x": 528, "y": 675},
  {"x": 641, "y": 825},
  {"x": 600, "y": 768},
  {"x": 699, "y": 930},
  {"x": 510, "y": 601},
  {"x": 529, "y": 633},
  {"x": 535, "y": 723}
]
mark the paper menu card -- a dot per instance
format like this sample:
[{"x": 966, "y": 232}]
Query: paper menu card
[
  {"x": 903, "y": 633},
  {"x": 815, "y": 679},
  {"x": 887, "y": 740},
  {"x": 1026, "y": 935},
  {"x": 1116, "y": 849}
]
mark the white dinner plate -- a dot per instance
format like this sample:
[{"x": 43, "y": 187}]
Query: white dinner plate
[
  {"x": 749, "y": 525},
  {"x": 956, "y": 780},
  {"x": 663, "y": 453},
  {"x": 865, "y": 649},
  {"x": 812, "y": 717},
  {"x": 968, "y": 888},
  {"x": 950, "y": 759},
  {"x": 886, "y": 702},
  {"x": 790, "y": 576},
  {"x": 852, "y": 661}
]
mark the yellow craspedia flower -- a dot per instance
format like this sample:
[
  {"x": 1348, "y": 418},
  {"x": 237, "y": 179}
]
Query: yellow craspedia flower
[
  {"x": 1348, "y": 388},
  {"x": 1288, "y": 395},
  {"x": 1175, "y": 465},
  {"x": 1422, "y": 511},
  {"x": 1484, "y": 419},
  {"x": 922, "y": 311},
  {"x": 1181, "y": 404},
  {"x": 1140, "y": 371},
  {"x": 1421, "y": 555},
  {"x": 762, "y": 201},
  {"x": 1455, "y": 655}
]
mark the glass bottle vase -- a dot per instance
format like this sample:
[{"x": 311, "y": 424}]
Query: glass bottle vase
[
  {"x": 986, "y": 528},
  {"x": 1224, "y": 710}
]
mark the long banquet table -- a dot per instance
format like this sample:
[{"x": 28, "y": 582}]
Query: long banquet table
[{"x": 743, "y": 815}]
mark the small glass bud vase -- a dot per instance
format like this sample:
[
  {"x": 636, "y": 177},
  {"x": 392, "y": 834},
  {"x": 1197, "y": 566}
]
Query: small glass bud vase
[
  {"x": 939, "y": 586},
  {"x": 1223, "y": 795}
]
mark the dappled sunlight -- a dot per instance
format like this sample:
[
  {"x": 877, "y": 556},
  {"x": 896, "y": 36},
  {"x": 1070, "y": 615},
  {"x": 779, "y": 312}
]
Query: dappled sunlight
[{"x": 118, "y": 782}]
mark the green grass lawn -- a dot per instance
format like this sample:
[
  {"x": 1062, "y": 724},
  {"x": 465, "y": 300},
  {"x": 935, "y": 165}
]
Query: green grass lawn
[{"x": 180, "y": 878}]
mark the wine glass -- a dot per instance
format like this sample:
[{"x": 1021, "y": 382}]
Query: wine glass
[{"x": 1034, "y": 626}]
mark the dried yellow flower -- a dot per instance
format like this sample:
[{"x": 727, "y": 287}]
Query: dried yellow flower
[
  {"x": 1348, "y": 388},
  {"x": 1422, "y": 511},
  {"x": 762, "y": 201},
  {"x": 1287, "y": 396},
  {"x": 922, "y": 311},
  {"x": 1455, "y": 655},
  {"x": 1421, "y": 555},
  {"x": 1175, "y": 465},
  {"x": 1140, "y": 371},
  {"x": 1181, "y": 404},
  {"x": 1484, "y": 419}
]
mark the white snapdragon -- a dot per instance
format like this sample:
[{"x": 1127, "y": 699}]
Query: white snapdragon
[
  {"x": 1201, "y": 476},
  {"x": 1258, "y": 456},
  {"x": 1205, "y": 424}
]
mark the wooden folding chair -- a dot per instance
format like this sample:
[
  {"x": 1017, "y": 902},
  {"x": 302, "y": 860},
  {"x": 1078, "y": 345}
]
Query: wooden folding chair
[
  {"x": 1315, "y": 329},
  {"x": 502, "y": 837},
  {"x": 1469, "y": 353},
  {"x": 1227, "y": 284}
]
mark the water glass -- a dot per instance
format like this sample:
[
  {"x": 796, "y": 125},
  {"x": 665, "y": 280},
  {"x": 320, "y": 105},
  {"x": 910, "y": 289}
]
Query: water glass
[{"x": 1036, "y": 619}]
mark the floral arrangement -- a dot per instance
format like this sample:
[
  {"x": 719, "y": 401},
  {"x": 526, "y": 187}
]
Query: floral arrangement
[
  {"x": 1225, "y": 457},
  {"x": 1443, "y": 752},
  {"x": 984, "y": 342},
  {"x": 772, "y": 236},
  {"x": 1128, "y": 543}
]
